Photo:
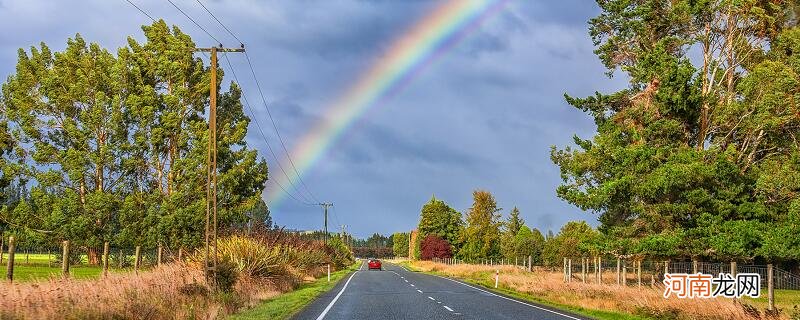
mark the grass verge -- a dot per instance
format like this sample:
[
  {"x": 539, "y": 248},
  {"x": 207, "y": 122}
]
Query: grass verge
[{"x": 287, "y": 304}]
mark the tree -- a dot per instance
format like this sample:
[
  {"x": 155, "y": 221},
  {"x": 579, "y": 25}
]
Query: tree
[
  {"x": 481, "y": 237},
  {"x": 377, "y": 240},
  {"x": 529, "y": 242},
  {"x": 434, "y": 246},
  {"x": 511, "y": 228},
  {"x": 693, "y": 147},
  {"x": 113, "y": 147},
  {"x": 400, "y": 244},
  {"x": 438, "y": 218}
]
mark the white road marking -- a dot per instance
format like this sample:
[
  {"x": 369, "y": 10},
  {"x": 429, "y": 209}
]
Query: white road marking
[
  {"x": 439, "y": 302},
  {"x": 412, "y": 285},
  {"x": 330, "y": 305},
  {"x": 405, "y": 280},
  {"x": 418, "y": 290},
  {"x": 448, "y": 308},
  {"x": 509, "y": 299},
  {"x": 429, "y": 297}
]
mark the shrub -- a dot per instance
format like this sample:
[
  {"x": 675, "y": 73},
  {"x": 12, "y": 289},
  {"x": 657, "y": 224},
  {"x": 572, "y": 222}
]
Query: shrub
[{"x": 435, "y": 247}]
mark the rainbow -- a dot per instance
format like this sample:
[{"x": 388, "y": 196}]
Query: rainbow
[{"x": 409, "y": 54}]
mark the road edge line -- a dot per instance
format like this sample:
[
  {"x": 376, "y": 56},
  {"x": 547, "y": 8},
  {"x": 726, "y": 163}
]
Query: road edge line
[
  {"x": 330, "y": 305},
  {"x": 507, "y": 298}
]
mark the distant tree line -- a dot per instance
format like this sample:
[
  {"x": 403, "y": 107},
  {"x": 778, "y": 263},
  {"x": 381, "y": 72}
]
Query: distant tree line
[{"x": 98, "y": 146}]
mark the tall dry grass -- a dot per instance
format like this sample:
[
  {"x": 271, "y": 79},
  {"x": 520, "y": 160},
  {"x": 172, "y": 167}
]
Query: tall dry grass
[
  {"x": 172, "y": 291},
  {"x": 644, "y": 301}
]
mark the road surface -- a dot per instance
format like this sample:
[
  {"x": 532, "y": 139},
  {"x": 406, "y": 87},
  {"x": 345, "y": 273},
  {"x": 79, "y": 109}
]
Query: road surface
[{"x": 396, "y": 293}]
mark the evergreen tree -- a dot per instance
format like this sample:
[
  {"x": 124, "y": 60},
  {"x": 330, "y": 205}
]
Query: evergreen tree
[
  {"x": 481, "y": 236},
  {"x": 511, "y": 228},
  {"x": 400, "y": 244},
  {"x": 440, "y": 219}
]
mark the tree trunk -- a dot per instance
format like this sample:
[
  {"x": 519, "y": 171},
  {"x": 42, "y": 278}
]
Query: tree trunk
[{"x": 94, "y": 257}]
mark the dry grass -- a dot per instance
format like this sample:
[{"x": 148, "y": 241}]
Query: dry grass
[
  {"x": 172, "y": 291},
  {"x": 645, "y": 301}
]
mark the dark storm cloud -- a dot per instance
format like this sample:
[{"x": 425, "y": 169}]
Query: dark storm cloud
[{"x": 482, "y": 116}]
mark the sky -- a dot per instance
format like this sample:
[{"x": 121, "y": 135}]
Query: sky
[{"x": 483, "y": 116}]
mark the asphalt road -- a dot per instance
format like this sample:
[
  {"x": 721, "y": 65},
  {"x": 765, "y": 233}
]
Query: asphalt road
[{"x": 396, "y": 293}]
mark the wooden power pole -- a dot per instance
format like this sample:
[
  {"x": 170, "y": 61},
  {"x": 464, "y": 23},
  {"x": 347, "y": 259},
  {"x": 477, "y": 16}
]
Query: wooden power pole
[
  {"x": 325, "y": 210},
  {"x": 211, "y": 162}
]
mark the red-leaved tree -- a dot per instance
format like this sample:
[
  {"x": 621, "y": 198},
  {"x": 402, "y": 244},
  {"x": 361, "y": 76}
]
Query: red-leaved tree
[{"x": 435, "y": 247}]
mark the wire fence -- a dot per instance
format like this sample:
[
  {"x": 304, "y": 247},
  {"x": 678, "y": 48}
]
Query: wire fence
[
  {"x": 646, "y": 272},
  {"x": 42, "y": 262}
]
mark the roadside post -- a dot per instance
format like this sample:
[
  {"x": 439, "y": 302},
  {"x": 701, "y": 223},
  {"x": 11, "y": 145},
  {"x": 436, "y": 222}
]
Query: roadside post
[
  {"x": 329, "y": 272},
  {"x": 10, "y": 267},
  {"x": 496, "y": 278}
]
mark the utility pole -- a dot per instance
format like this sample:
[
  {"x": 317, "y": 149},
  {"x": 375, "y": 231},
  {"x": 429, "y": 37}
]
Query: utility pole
[
  {"x": 211, "y": 162},
  {"x": 325, "y": 210}
]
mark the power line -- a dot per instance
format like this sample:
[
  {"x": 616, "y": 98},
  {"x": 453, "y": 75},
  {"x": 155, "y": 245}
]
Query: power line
[
  {"x": 195, "y": 22},
  {"x": 277, "y": 133},
  {"x": 220, "y": 23},
  {"x": 140, "y": 10},
  {"x": 263, "y": 136},
  {"x": 266, "y": 106},
  {"x": 263, "y": 99}
]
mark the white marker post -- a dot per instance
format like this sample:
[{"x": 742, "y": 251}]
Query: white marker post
[
  {"x": 329, "y": 272},
  {"x": 496, "y": 277}
]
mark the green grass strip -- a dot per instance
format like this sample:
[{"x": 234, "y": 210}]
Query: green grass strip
[{"x": 287, "y": 304}]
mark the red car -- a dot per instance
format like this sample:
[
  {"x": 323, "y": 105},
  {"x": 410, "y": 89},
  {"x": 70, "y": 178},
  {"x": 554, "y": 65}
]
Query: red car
[{"x": 374, "y": 264}]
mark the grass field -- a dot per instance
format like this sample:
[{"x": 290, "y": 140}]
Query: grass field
[
  {"x": 785, "y": 300},
  {"x": 287, "y": 304},
  {"x": 41, "y": 266}
]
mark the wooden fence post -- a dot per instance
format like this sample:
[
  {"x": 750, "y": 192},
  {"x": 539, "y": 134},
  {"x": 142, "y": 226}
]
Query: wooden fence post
[
  {"x": 624, "y": 273},
  {"x": 733, "y": 269},
  {"x": 160, "y": 251},
  {"x": 65, "y": 259},
  {"x": 599, "y": 270},
  {"x": 619, "y": 278},
  {"x": 138, "y": 260},
  {"x": 569, "y": 270},
  {"x": 583, "y": 270},
  {"x": 694, "y": 266},
  {"x": 105, "y": 259},
  {"x": 10, "y": 267},
  {"x": 1, "y": 249},
  {"x": 770, "y": 288},
  {"x": 639, "y": 272},
  {"x": 666, "y": 266},
  {"x": 180, "y": 254},
  {"x": 530, "y": 264},
  {"x": 565, "y": 269}
]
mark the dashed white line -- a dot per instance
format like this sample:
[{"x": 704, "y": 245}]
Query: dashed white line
[
  {"x": 413, "y": 285},
  {"x": 448, "y": 308},
  {"x": 429, "y": 297},
  {"x": 405, "y": 280},
  {"x": 418, "y": 290},
  {"x": 509, "y": 299}
]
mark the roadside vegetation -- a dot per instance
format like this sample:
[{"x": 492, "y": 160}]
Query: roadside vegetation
[
  {"x": 595, "y": 300},
  {"x": 285, "y": 305},
  {"x": 252, "y": 268}
]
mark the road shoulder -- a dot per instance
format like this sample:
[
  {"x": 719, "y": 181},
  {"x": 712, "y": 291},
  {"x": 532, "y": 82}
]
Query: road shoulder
[{"x": 304, "y": 298}]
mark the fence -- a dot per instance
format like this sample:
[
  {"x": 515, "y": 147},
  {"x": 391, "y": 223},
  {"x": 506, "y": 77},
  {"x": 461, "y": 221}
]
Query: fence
[{"x": 69, "y": 260}]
